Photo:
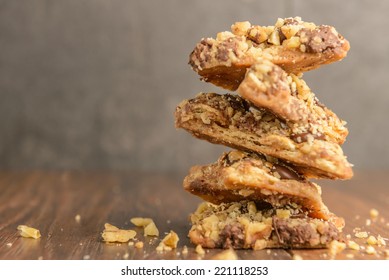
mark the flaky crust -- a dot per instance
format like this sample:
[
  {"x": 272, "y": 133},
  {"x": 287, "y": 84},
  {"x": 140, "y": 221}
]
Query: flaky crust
[
  {"x": 294, "y": 45},
  {"x": 242, "y": 225},
  {"x": 266, "y": 85},
  {"x": 231, "y": 121}
]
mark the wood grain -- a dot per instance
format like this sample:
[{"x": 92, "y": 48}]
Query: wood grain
[{"x": 50, "y": 201}]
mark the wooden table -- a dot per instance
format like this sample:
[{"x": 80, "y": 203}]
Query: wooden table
[{"x": 50, "y": 201}]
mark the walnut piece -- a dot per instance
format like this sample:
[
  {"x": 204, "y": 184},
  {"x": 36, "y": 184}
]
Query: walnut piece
[
  {"x": 169, "y": 242},
  {"x": 26, "y": 231},
  {"x": 150, "y": 229},
  {"x": 114, "y": 234}
]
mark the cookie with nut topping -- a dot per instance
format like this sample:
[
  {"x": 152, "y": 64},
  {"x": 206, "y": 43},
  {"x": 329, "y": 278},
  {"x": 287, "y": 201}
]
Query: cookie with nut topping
[
  {"x": 238, "y": 176},
  {"x": 250, "y": 225},
  {"x": 293, "y": 44},
  {"x": 267, "y": 85},
  {"x": 230, "y": 120}
]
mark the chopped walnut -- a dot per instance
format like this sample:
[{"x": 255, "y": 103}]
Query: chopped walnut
[
  {"x": 169, "y": 242},
  {"x": 141, "y": 222},
  {"x": 361, "y": 234},
  {"x": 335, "y": 248},
  {"x": 139, "y": 245},
  {"x": 114, "y": 234},
  {"x": 353, "y": 245},
  {"x": 26, "y": 231},
  {"x": 381, "y": 241},
  {"x": 150, "y": 229},
  {"x": 370, "y": 250},
  {"x": 199, "y": 250},
  {"x": 372, "y": 240},
  {"x": 240, "y": 28}
]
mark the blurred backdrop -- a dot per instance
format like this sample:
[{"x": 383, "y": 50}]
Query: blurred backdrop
[{"x": 94, "y": 83}]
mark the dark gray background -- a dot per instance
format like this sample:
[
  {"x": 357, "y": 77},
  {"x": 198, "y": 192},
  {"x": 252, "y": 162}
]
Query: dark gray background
[{"x": 94, "y": 83}]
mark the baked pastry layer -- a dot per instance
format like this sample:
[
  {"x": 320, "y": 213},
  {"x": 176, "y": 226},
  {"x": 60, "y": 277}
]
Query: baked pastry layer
[
  {"x": 240, "y": 176},
  {"x": 245, "y": 224},
  {"x": 267, "y": 85},
  {"x": 230, "y": 120},
  {"x": 293, "y": 44}
]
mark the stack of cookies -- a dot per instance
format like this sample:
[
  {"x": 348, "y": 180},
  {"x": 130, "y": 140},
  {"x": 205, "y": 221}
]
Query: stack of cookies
[{"x": 258, "y": 195}]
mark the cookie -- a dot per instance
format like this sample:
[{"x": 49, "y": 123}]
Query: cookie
[
  {"x": 244, "y": 224},
  {"x": 293, "y": 44},
  {"x": 267, "y": 85},
  {"x": 230, "y": 120},
  {"x": 238, "y": 176}
]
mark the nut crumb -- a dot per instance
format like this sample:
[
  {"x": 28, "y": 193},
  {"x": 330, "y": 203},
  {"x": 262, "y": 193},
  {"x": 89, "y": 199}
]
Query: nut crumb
[
  {"x": 151, "y": 230},
  {"x": 374, "y": 213},
  {"x": 26, "y": 231},
  {"x": 77, "y": 218},
  {"x": 371, "y": 240},
  {"x": 335, "y": 248},
  {"x": 131, "y": 243},
  {"x": 368, "y": 222},
  {"x": 200, "y": 250},
  {"x": 126, "y": 256},
  {"x": 185, "y": 250},
  {"x": 370, "y": 250},
  {"x": 114, "y": 234},
  {"x": 139, "y": 245},
  {"x": 169, "y": 242},
  {"x": 353, "y": 245},
  {"x": 141, "y": 222},
  {"x": 86, "y": 257},
  {"x": 381, "y": 241},
  {"x": 348, "y": 236},
  {"x": 40, "y": 258},
  {"x": 9, "y": 244},
  {"x": 361, "y": 234},
  {"x": 228, "y": 254}
]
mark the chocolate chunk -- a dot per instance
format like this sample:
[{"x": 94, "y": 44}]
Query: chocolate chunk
[
  {"x": 303, "y": 137},
  {"x": 282, "y": 35},
  {"x": 302, "y": 232},
  {"x": 201, "y": 53},
  {"x": 289, "y": 234},
  {"x": 320, "y": 39},
  {"x": 232, "y": 236},
  {"x": 285, "y": 172},
  {"x": 231, "y": 44}
]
